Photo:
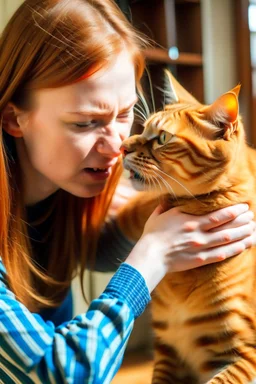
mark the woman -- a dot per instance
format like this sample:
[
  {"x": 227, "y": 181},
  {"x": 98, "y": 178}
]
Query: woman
[{"x": 68, "y": 77}]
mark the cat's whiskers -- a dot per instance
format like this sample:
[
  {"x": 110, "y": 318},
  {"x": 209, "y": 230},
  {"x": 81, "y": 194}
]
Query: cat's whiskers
[
  {"x": 140, "y": 116},
  {"x": 145, "y": 165},
  {"x": 140, "y": 166},
  {"x": 140, "y": 112},
  {"x": 151, "y": 90},
  {"x": 144, "y": 105},
  {"x": 148, "y": 178},
  {"x": 139, "y": 122},
  {"x": 151, "y": 178},
  {"x": 145, "y": 179},
  {"x": 156, "y": 179},
  {"x": 167, "y": 186},
  {"x": 176, "y": 181},
  {"x": 151, "y": 181}
]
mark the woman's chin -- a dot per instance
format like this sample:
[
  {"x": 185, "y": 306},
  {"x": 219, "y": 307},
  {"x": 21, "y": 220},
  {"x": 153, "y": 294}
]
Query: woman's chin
[{"x": 87, "y": 192}]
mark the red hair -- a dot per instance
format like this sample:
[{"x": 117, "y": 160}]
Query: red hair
[{"x": 46, "y": 44}]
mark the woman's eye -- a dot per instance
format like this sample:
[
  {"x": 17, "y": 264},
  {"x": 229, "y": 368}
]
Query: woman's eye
[
  {"x": 87, "y": 124},
  {"x": 164, "y": 137}
]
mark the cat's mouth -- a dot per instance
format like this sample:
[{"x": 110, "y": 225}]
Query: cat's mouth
[
  {"x": 139, "y": 182},
  {"x": 134, "y": 175}
]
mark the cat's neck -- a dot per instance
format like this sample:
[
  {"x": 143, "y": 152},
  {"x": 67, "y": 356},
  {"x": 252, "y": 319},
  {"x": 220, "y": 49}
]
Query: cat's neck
[
  {"x": 237, "y": 185},
  {"x": 208, "y": 202}
]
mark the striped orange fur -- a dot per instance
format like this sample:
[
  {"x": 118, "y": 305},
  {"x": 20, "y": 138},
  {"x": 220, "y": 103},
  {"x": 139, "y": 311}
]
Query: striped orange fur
[{"x": 196, "y": 157}]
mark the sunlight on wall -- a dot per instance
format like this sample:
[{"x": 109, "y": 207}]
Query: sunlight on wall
[
  {"x": 252, "y": 17},
  {"x": 252, "y": 27},
  {"x": 218, "y": 33},
  {"x": 7, "y": 8}
]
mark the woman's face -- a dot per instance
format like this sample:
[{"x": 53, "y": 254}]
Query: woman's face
[{"x": 72, "y": 137}]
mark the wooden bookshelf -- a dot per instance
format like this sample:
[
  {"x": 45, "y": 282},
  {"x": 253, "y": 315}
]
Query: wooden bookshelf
[
  {"x": 162, "y": 56},
  {"x": 172, "y": 24}
]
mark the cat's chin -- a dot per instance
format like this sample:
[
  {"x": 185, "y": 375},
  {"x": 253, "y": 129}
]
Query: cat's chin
[
  {"x": 138, "y": 182},
  {"x": 140, "y": 186}
]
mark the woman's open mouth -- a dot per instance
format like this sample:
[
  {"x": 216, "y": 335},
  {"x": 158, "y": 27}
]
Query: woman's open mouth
[
  {"x": 98, "y": 173},
  {"x": 97, "y": 169}
]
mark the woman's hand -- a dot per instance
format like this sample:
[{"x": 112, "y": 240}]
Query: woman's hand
[{"x": 173, "y": 241}]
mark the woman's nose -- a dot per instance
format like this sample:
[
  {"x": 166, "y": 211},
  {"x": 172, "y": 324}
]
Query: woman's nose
[
  {"x": 110, "y": 143},
  {"x": 124, "y": 150}
]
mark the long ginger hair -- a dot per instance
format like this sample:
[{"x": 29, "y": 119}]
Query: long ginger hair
[{"x": 47, "y": 44}]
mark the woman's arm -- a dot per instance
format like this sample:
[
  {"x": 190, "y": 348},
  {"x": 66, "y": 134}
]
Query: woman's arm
[
  {"x": 87, "y": 349},
  {"x": 113, "y": 247}
]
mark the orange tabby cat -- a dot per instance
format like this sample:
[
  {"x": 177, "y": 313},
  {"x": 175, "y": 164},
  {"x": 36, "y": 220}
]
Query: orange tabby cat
[{"x": 195, "y": 156}]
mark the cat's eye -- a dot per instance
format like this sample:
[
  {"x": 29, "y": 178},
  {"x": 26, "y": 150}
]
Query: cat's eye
[{"x": 164, "y": 137}]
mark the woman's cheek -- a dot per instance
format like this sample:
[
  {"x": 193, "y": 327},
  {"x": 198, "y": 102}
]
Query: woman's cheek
[
  {"x": 125, "y": 131},
  {"x": 83, "y": 144}
]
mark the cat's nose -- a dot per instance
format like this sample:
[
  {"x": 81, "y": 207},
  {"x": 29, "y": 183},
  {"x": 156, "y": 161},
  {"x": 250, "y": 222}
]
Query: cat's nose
[{"x": 123, "y": 150}]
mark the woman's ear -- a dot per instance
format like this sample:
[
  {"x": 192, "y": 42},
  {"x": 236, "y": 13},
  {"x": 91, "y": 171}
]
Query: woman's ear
[{"x": 11, "y": 120}]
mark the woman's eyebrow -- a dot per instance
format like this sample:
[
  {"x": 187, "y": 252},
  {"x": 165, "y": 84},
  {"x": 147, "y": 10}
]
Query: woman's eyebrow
[
  {"x": 129, "y": 106},
  {"x": 90, "y": 112},
  {"x": 106, "y": 110}
]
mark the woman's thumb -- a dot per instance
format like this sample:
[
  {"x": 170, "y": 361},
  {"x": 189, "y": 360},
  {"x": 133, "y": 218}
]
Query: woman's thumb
[{"x": 157, "y": 211}]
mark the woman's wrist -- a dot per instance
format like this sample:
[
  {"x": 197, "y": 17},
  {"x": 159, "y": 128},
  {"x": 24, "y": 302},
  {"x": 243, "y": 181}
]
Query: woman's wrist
[
  {"x": 148, "y": 262},
  {"x": 128, "y": 285}
]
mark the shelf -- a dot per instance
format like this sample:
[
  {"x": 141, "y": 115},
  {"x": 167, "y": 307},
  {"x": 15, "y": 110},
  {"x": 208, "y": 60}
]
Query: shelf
[{"x": 161, "y": 56}]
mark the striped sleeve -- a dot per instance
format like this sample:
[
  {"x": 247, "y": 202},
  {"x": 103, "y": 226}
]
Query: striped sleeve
[{"x": 88, "y": 349}]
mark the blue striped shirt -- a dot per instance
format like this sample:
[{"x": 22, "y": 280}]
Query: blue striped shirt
[{"x": 87, "y": 349}]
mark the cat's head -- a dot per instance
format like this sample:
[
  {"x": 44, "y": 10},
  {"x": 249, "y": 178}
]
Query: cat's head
[{"x": 187, "y": 148}]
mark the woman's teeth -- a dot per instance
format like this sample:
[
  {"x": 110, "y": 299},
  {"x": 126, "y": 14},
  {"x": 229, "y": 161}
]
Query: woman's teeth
[{"x": 99, "y": 169}]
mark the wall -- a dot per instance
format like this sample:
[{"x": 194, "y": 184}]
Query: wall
[
  {"x": 7, "y": 8},
  {"x": 218, "y": 34}
]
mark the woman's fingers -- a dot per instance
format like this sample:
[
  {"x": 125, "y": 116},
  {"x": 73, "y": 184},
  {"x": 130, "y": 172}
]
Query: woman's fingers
[
  {"x": 230, "y": 235},
  {"x": 221, "y": 253},
  {"x": 240, "y": 220},
  {"x": 223, "y": 216}
]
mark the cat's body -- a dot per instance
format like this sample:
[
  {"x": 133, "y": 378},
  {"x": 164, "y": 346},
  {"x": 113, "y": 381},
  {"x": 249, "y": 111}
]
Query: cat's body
[{"x": 204, "y": 319}]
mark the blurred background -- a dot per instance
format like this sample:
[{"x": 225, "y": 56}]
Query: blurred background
[{"x": 210, "y": 46}]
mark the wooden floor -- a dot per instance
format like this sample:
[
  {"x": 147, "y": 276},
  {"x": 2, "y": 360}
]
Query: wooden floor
[{"x": 136, "y": 369}]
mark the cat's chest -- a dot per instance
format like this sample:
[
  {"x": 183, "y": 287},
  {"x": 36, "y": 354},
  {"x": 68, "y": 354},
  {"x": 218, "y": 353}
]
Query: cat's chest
[
  {"x": 175, "y": 300},
  {"x": 173, "y": 314},
  {"x": 172, "y": 310}
]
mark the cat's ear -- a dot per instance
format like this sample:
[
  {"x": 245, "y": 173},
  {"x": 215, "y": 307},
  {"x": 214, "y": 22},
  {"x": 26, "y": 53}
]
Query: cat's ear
[
  {"x": 224, "y": 112},
  {"x": 174, "y": 91},
  {"x": 170, "y": 96}
]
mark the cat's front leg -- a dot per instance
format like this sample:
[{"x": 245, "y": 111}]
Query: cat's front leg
[
  {"x": 168, "y": 367},
  {"x": 242, "y": 371}
]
